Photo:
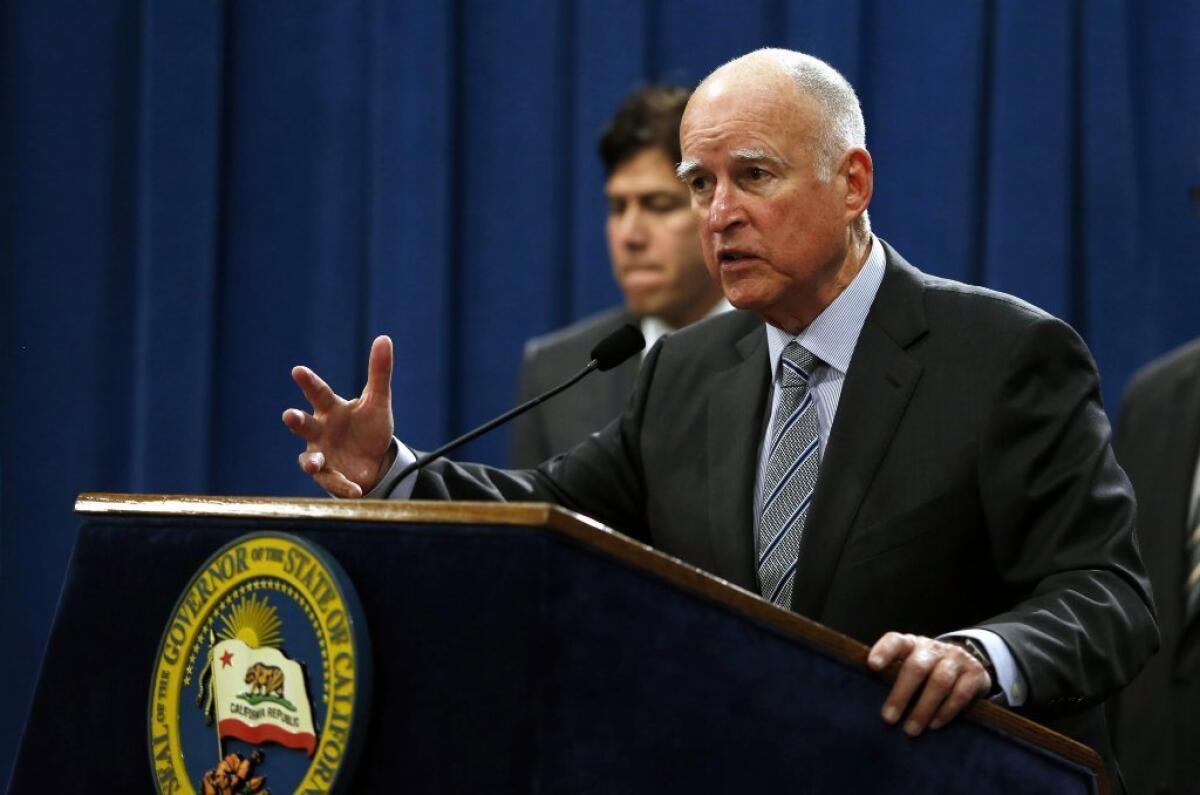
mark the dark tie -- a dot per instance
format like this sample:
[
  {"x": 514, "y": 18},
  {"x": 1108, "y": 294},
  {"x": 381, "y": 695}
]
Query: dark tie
[
  {"x": 1191, "y": 585},
  {"x": 791, "y": 475}
]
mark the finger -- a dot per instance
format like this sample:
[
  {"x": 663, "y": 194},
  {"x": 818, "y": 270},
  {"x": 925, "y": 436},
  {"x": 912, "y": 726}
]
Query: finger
[
  {"x": 970, "y": 686},
  {"x": 916, "y": 667},
  {"x": 337, "y": 484},
  {"x": 379, "y": 370},
  {"x": 304, "y": 425},
  {"x": 973, "y": 682},
  {"x": 311, "y": 462},
  {"x": 316, "y": 391},
  {"x": 891, "y": 646},
  {"x": 938, "y": 685}
]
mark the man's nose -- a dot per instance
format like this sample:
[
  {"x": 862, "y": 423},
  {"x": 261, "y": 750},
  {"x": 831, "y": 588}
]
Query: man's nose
[
  {"x": 726, "y": 210},
  {"x": 631, "y": 228}
]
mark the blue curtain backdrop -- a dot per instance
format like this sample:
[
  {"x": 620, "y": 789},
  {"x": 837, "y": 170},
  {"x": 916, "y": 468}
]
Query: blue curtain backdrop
[{"x": 194, "y": 196}]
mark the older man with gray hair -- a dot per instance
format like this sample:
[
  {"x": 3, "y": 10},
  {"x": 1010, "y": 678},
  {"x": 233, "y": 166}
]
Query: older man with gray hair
[{"x": 921, "y": 464}]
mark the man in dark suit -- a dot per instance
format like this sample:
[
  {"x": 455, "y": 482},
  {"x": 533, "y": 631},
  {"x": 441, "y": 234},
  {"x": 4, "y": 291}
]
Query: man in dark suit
[
  {"x": 1157, "y": 718},
  {"x": 656, "y": 260},
  {"x": 918, "y": 463}
]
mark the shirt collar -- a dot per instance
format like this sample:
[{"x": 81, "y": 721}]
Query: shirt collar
[
  {"x": 653, "y": 327},
  {"x": 832, "y": 336}
]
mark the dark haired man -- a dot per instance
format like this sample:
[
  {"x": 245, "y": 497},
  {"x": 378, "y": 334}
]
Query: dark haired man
[{"x": 656, "y": 260}]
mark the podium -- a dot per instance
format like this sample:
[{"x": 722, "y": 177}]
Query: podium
[{"x": 516, "y": 648}]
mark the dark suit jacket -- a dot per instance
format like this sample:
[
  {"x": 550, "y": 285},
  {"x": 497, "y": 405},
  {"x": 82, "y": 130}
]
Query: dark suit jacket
[
  {"x": 1157, "y": 718},
  {"x": 968, "y": 481},
  {"x": 566, "y": 419}
]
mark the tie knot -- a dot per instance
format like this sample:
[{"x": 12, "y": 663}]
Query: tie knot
[{"x": 796, "y": 365}]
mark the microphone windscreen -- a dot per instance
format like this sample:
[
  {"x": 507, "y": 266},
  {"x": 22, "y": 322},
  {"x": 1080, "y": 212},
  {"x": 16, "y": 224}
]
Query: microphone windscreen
[{"x": 618, "y": 346}]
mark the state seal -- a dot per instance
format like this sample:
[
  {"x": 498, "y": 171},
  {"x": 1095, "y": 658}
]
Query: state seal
[{"x": 262, "y": 679}]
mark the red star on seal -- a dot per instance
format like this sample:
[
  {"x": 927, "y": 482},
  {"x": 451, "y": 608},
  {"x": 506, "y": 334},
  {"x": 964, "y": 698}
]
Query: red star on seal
[{"x": 226, "y": 659}]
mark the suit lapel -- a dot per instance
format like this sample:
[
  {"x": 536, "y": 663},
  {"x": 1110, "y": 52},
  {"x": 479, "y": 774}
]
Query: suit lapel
[
  {"x": 733, "y": 438},
  {"x": 878, "y": 386},
  {"x": 1181, "y": 469}
]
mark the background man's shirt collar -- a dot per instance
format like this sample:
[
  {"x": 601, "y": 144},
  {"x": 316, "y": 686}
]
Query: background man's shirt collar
[{"x": 653, "y": 328}]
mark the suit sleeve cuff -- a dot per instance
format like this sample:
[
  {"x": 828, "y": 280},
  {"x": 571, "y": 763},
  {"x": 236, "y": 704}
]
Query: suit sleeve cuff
[
  {"x": 389, "y": 486},
  {"x": 1013, "y": 690}
]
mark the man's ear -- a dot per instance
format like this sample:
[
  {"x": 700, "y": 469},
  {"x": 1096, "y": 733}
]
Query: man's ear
[{"x": 859, "y": 172}]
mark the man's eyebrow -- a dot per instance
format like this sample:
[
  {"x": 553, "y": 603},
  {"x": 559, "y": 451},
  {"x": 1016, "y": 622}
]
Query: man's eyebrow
[
  {"x": 686, "y": 169},
  {"x": 757, "y": 156}
]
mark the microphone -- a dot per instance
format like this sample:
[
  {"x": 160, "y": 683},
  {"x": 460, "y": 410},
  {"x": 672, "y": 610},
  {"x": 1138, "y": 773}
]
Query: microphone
[
  {"x": 608, "y": 353},
  {"x": 616, "y": 348}
]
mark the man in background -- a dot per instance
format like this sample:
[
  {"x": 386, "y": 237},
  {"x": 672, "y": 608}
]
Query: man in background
[
  {"x": 656, "y": 260},
  {"x": 1156, "y": 720}
]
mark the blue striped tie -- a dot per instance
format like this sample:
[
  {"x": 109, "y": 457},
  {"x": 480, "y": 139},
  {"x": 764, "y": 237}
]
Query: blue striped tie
[
  {"x": 1191, "y": 582},
  {"x": 790, "y": 477}
]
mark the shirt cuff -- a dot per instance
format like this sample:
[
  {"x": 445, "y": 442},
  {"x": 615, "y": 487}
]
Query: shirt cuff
[
  {"x": 1013, "y": 690},
  {"x": 388, "y": 487}
]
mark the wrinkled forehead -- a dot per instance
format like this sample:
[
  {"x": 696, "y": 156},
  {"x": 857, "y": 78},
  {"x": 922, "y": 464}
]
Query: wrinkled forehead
[{"x": 729, "y": 122}]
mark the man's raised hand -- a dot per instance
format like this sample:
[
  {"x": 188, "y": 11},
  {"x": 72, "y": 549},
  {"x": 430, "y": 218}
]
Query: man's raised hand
[{"x": 348, "y": 440}]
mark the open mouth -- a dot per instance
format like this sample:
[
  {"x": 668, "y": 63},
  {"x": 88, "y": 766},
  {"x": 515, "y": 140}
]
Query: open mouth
[{"x": 733, "y": 255}]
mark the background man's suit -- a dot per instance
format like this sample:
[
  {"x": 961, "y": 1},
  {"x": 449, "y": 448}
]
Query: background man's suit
[
  {"x": 1157, "y": 726},
  {"x": 567, "y": 419},
  {"x": 968, "y": 481}
]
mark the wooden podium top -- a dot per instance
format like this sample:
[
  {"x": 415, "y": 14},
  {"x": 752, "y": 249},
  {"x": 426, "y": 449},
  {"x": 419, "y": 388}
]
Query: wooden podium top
[
  {"x": 535, "y": 514},
  {"x": 589, "y": 533}
]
